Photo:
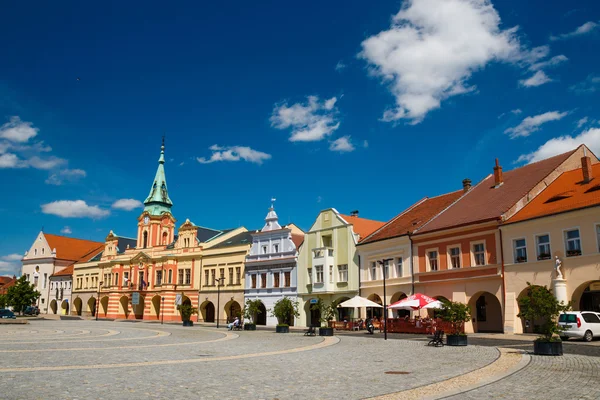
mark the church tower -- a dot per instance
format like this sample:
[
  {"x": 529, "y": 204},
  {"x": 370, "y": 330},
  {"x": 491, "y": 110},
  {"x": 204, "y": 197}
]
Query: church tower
[{"x": 156, "y": 225}]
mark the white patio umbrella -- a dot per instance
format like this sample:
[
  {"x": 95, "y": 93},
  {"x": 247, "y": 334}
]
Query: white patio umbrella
[{"x": 358, "y": 301}]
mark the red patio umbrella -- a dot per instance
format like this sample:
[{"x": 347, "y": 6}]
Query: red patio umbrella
[{"x": 416, "y": 301}]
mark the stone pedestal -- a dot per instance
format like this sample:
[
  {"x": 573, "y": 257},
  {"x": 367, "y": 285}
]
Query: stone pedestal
[{"x": 560, "y": 290}]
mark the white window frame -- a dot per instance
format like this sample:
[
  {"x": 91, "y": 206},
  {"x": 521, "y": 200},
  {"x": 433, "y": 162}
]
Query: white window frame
[
  {"x": 373, "y": 271},
  {"x": 472, "y": 251},
  {"x": 449, "y": 255},
  {"x": 427, "y": 260},
  {"x": 276, "y": 248},
  {"x": 399, "y": 267},
  {"x": 537, "y": 246},
  {"x": 317, "y": 269},
  {"x": 343, "y": 273},
  {"x": 331, "y": 276},
  {"x": 265, "y": 249},
  {"x": 515, "y": 248},
  {"x": 564, "y": 235}
]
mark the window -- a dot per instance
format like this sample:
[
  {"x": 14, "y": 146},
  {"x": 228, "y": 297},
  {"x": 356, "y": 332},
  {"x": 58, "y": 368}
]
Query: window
[
  {"x": 164, "y": 238},
  {"x": 264, "y": 249},
  {"x": 343, "y": 273},
  {"x": 275, "y": 248},
  {"x": 543, "y": 247},
  {"x": 213, "y": 274},
  {"x": 373, "y": 271},
  {"x": 237, "y": 275},
  {"x": 231, "y": 276},
  {"x": 222, "y": 274},
  {"x": 455, "y": 257},
  {"x": 45, "y": 279},
  {"x": 386, "y": 269},
  {"x": 188, "y": 276},
  {"x": 331, "y": 273},
  {"x": 158, "y": 281},
  {"x": 117, "y": 279},
  {"x": 319, "y": 274},
  {"x": 590, "y": 318},
  {"x": 520, "y": 246},
  {"x": 170, "y": 276},
  {"x": 573, "y": 243},
  {"x": 145, "y": 243},
  {"x": 180, "y": 277},
  {"x": 263, "y": 280},
  {"x": 479, "y": 253},
  {"x": 310, "y": 277},
  {"x": 35, "y": 280},
  {"x": 287, "y": 278},
  {"x": 43, "y": 250},
  {"x": 326, "y": 241},
  {"x": 126, "y": 278},
  {"x": 35, "y": 252},
  {"x": 432, "y": 257},
  {"x": 253, "y": 281},
  {"x": 275, "y": 279},
  {"x": 206, "y": 277},
  {"x": 399, "y": 267}
]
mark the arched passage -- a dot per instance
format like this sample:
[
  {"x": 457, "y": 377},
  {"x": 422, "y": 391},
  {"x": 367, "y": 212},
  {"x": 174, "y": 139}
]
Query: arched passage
[
  {"x": 232, "y": 309},
  {"x": 91, "y": 304},
  {"x": 343, "y": 313},
  {"x": 65, "y": 307},
  {"x": 529, "y": 326},
  {"x": 397, "y": 297},
  {"x": 104, "y": 305},
  {"x": 155, "y": 306},
  {"x": 124, "y": 306},
  {"x": 261, "y": 318},
  {"x": 313, "y": 317},
  {"x": 373, "y": 312},
  {"x": 138, "y": 309},
  {"x": 207, "y": 310},
  {"x": 53, "y": 306},
  {"x": 78, "y": 304},
  {"x": 434, "y": 312},
  {"x": 587, "y": 297},
  {"x": 486, "y": 312}
]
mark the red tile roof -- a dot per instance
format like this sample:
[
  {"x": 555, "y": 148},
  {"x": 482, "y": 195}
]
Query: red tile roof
[
  {"x": 566, "y": 193},
  {"x": 297, "y": 239},
  {"x": 4, "y": 287},
  {"x": 364, "y": 227},
  {"x": 484, "y": 202},
  {"x": 414, "y": 217},
  {"x": 65, "y": 272},
  {"x": 73, "y": 249},
  {"x": 5, "y": 279}
]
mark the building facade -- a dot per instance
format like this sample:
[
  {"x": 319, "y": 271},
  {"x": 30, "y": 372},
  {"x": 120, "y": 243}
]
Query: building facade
[
  {"x": 328, "y": 266},
  {"x": 271, "y": 266}
]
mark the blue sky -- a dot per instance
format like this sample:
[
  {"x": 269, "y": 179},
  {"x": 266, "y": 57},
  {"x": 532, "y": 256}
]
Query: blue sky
[{"x": 346, "y": 104}]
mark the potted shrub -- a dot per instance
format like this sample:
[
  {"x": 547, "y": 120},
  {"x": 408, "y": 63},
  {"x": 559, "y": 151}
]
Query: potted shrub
[
  {"x": 285, "y": 310},
  {"x": 455, "y": 314},
  {"x": 186, "y": 311},
  {"x": 251, "y": 310},
  {"x": 540, "y": 304},
  {"x": 327, "y": 313}
]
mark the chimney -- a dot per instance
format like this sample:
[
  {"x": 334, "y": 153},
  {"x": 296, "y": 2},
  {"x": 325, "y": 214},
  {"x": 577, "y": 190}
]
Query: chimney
[
  {"x": 354, "y": 213},
  {"x": 466, "y": 185},
  {"x": 586, "y": 167},
  {"x": 498, "y": 175}
]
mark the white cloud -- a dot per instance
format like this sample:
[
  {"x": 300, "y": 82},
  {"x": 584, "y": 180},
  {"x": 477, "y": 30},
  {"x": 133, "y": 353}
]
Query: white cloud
[
  {"x": 10, "y": 160},
  {"x": 342, "y": 145},
  {"x": 582, "y": 122},
  {"x": 538, "y": 79},
  {"x": 433, "y": 47},
  {"x": 12, "y": 257},
  {"x": 562, "y": 144},
  {"x": 18, "y": 131},
  {"x": 581, "y": 30},
  {"x": 311, "y": 121},
  {"x": 589, "y": 85},
  {"x": 553, "y": 62},
  {"x": 340, "y": 65},
  {"x": 66, "y": 230},
  {"x": 516, "y": 111},
  {"x": 127, "y": 204},
  {"x": 74, "y": 209},
  {"x": 234, "y": 153},
  {"x": 532, "y": 124},
  {"x": 64, "y": 175},
  {"x": 10, "y": 268}
]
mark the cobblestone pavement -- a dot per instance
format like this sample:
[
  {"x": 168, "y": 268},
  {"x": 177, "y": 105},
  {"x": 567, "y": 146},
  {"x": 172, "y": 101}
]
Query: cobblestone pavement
[{"x": 116, "y": 360}]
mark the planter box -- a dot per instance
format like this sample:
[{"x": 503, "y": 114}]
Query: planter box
[
  {"x": 188, "y": 323},
  {"x": 456, "y": 340},
  {"x": 325, "y": 331},
  {"x": 282, "y": 329},
  {"x": 249, "y": 327},
  {"x": 547, "y": 348}
]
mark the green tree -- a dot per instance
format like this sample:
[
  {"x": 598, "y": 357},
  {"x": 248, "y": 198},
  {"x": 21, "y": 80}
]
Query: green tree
[
  {"x": 186, "y": 311},
  {"x": 252, "y": 309},
  {"x": 456, "y": 314},
  {"x": 285, "y": 310},
  {"x": 540, "y": 303},
  {"x": 3, "y": 301},
  {"x": 22, "y": 294},
  {"x": 327, "y": 311}
]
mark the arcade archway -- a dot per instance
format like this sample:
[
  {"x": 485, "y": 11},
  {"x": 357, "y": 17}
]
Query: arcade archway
[
  {"x": 91, "y": 304},
  {"x": 232, "y": 309},
  {"x": 373, "y": 312},
  {"x": 486, "y": 312},
  {"x": 104, "y": 305},
  {"x": 155, "y": 306},
  {"x": 207, "y": 310},
  {"x": 78, "y": 304},
  {"x": 261, "y": 318}
]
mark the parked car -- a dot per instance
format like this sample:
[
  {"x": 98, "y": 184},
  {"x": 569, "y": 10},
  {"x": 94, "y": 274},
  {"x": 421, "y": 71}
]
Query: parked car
[
  {"x": 31, "y": 310},
  {"x": 580, "y": 324},
  {"x": 7, "y": 314}
]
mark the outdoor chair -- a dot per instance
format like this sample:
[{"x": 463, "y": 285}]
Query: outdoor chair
[
  {"x": 437, "y": 339},
  {"x": 310, "y": 332},
  {"x": 238, "y": 327}
]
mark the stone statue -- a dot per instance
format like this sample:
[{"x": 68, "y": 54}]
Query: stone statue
[{"x": 557, "y": 266}]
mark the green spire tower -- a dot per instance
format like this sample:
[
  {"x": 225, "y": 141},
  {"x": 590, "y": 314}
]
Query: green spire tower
[{"x": 158, "y": 201}]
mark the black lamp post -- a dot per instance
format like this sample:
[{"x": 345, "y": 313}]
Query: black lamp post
[
  {"x": 383, "y": 263},
  {"x": 219, "y": 280},
  {"x": 98, "y": 300}
]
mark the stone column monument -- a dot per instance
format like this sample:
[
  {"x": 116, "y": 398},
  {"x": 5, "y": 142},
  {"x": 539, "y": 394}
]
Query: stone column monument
[{"x": 559, "y": 283}]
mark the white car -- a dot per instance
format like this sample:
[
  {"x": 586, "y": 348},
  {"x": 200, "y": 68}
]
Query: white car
[{"x": 580, "y": 324}]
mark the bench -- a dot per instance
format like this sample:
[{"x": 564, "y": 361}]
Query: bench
[
  {"x": 437, "y": 339},
  {"x": 238, "y": 327},
  {"x": 311, "y": 331}
]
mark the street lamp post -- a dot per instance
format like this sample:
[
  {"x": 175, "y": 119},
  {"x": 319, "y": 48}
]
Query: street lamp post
[
  {"x": 383, "y": 263},
  {"x": 98, "y": 300},
  {"x": 162, "y": 311},
  {"x": 219, "y": 280}
]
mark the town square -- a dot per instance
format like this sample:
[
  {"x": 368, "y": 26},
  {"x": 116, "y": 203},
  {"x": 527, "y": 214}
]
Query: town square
[{"x": 397, "y": 200}]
